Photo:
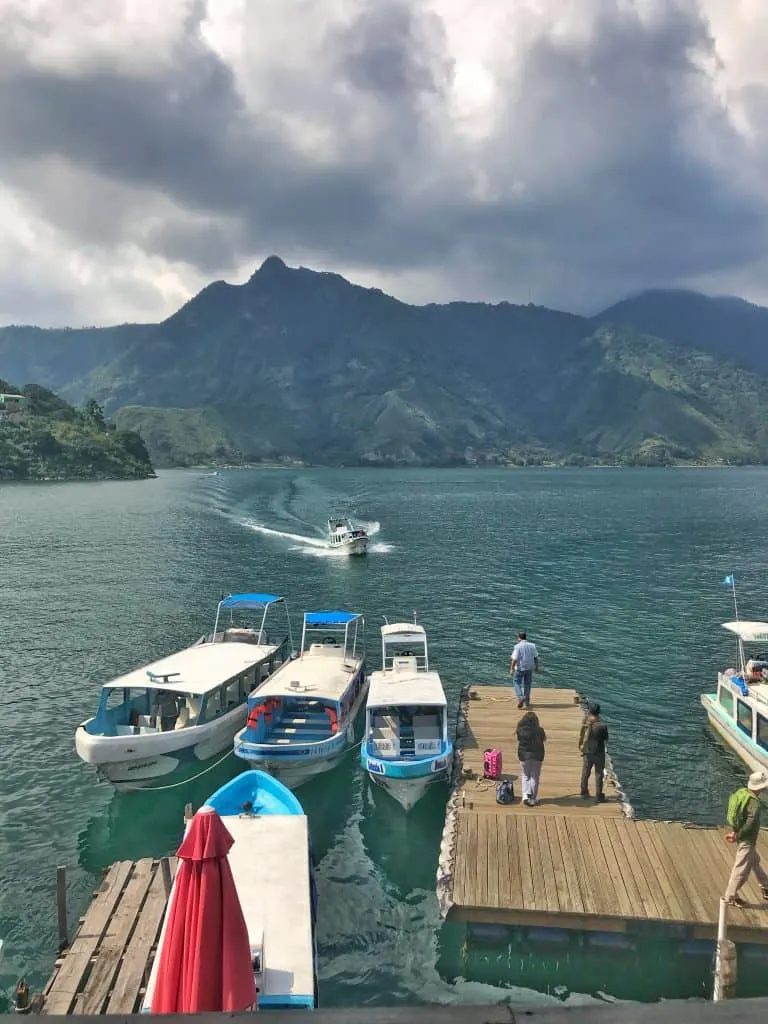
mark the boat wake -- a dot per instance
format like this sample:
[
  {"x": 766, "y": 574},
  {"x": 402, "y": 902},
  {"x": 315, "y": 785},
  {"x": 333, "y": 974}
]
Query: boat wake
[{"x": 317, "y": 547}]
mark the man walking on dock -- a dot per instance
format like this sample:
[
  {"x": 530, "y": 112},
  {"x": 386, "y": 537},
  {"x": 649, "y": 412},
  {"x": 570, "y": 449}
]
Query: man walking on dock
[
  {"x": 525, "y": 658},
  {"x": 744, "y": 818},
  {"x": 592, "y": 740}
]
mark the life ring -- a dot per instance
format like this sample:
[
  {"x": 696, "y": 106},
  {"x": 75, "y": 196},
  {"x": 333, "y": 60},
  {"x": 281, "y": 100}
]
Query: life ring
[
  {"x": 255, "y": 714},
  {"x": 334, "y": 719}
]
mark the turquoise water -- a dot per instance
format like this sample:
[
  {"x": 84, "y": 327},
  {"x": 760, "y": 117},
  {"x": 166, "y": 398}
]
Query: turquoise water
[{"x": 615, "y": 574}]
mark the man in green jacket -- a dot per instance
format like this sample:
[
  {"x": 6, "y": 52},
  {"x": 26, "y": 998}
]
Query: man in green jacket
[{"x": 744, "y": 818}]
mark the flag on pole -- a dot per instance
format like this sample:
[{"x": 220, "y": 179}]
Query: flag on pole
[{"x": 728, "y": 581}]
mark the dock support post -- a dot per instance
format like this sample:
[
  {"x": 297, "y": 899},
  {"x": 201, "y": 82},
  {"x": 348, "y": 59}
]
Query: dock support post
[
  {"x": 725, "y": 959},
  {"x": 21, "y": 997},
  {"x": 165, "y": 867},
  {"x": 61, "y": 906}
]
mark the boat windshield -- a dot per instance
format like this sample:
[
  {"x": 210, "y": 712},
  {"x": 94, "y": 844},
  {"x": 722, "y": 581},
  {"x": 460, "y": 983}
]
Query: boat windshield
[{"x": 127, "y": 710}]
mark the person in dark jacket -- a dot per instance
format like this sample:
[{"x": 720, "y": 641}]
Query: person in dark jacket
[
  {"x": 592, "y": 740},
  {"x": 530, "y": 754},
  {"x": 745, "y": 823}
]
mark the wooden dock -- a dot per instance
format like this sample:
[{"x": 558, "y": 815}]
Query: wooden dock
[
  {"x": 572, "y": 863},
  {"x": 107, "y": 965}
]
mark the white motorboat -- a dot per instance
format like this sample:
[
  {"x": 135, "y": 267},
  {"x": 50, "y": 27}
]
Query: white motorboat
[
  {"x": 301, "y": 721},
  {"x": 738, "y": 710},
  {"x": 406, "y": 748},
  {"x": 185, "y": 708},
  {"x": 344, "y": 535},
  {"x": 273, "y": 871}
]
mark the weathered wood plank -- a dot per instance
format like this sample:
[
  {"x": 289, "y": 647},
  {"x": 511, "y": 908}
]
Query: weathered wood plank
[
  {"x": 115, "y": 939},
  {"x": 137, "y": 960},
  {"x": 66, "y": 983}
]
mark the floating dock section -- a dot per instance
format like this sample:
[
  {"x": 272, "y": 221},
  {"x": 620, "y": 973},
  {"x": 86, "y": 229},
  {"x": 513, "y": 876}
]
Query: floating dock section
[{"x": 571, "y": 863}]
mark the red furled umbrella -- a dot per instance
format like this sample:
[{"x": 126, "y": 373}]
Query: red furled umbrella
[{"x": 204, "y": 963}]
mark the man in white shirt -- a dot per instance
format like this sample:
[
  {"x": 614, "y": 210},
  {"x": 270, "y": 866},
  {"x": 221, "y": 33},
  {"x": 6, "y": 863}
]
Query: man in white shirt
[{"x": 525, "y": 659}]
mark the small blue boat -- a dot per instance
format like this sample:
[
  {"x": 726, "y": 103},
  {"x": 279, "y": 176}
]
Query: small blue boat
[
  {"x": 301, "y": 721},
  {"x": 272, "y": 866},
  {"x": 406, "y": 748}
]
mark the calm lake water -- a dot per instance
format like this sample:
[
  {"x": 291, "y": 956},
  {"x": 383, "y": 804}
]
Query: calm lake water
[{"x": 615, "y": 575}]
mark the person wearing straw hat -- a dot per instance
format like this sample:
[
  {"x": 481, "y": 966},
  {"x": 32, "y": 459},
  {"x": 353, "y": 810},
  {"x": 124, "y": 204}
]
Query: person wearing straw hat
[{"x": 744, "y": 818}]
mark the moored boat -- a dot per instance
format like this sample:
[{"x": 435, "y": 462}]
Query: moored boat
[
  {"x": 344, "y": 535},
  {"x": 301, "y": 721},
  {"x": 185, "y": 708},
  {"x": 406, "y": 748},
  {"x": 273, "y": 871},
  {"x": 738, "y": 709}
]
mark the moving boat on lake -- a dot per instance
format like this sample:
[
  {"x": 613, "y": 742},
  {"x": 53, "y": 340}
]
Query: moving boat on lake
[
  {"x": 343, "y": 534},
  {"x": 738, "y": 710},
  {"x": 301, "y": 721},
  {"x": 405, "y": 747},
  {"x": 185, "y": 708},
  {"x": 273, "y": 871}
]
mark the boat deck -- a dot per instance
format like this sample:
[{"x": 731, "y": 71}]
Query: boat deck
[
  {"x": 106, "y": 967},
  {"x": 270, "y": 866},
  {"x": 571, "y": 863}
]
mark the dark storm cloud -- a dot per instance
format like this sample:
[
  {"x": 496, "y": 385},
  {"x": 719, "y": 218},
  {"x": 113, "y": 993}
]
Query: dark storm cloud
[{"x": 608, "y": 168}]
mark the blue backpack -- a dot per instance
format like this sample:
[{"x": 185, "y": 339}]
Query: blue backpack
[{"x": 505, "y": 792}]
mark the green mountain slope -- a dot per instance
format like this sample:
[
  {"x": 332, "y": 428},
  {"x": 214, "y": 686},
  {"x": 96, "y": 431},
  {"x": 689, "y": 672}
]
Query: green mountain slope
[
  {"x": 54, "y": 441},
  {"x": 301, "y": 365}
]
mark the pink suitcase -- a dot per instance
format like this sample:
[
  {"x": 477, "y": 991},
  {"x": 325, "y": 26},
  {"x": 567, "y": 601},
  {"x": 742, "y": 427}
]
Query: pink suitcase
[{"x": 492, "y": 763}]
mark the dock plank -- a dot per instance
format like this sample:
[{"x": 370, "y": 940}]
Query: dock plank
[
  {"x": 137, "y": 961},
  {"x": 67, "y": 980},
  {"x": 115, "y": 939}
]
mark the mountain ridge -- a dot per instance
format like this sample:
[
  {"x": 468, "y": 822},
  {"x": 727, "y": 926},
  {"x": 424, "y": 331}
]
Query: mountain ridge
[{"x": 302, "y": 365}]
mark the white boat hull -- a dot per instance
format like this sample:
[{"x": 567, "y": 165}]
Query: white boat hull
[
  {"x": 132, "y": 762},
  {"x": 728, "y": 731},
  {"x": 358, "y": 546},
  {"x": 407, "y": 792},
  {"x": 296, "y": 773}
]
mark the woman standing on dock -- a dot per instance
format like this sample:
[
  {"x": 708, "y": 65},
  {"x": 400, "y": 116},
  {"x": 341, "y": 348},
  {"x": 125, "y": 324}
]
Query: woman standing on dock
[{"x": 530, "y": 754}]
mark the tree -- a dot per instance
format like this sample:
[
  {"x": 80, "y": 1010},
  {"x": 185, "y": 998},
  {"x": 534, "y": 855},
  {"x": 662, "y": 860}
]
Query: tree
[{"x": 95, "y": 414}]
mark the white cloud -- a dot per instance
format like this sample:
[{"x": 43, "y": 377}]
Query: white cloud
[{"x": 438, "y": 148}]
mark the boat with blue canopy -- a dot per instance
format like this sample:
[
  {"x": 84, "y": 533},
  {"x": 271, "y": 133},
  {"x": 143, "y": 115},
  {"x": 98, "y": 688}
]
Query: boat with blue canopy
[
  {"x": 273, "y": 869},
  {"x": 405, "y": 747},
  {"x": 301, "y": 721},
  {"x": 183, "y": 710}
]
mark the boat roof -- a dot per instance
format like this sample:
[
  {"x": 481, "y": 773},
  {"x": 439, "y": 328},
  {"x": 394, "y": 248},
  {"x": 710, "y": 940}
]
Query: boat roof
[
  {"x": 388, "y": 688},
  {"x": 330, "y": 618},
  {"x": 200, "y": 668},
  {"x": 411, "y": 629},
  {"x": 249, "y": 600},
  {"x": 322, "y": 672},
  {"x": 275, "y": 899},
  {"x": 749, "y": 632}
]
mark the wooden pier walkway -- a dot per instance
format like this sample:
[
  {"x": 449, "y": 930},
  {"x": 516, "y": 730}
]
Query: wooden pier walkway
[
  {"x": 107, "y": 965},
  {"x": 572, "y": 863}
]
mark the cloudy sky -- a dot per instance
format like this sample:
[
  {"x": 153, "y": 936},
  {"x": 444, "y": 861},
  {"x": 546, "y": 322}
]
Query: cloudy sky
[{"x": 477, "y": 149}]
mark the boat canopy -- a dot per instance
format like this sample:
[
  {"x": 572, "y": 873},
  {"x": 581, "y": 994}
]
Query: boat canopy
[
  {"x": 403, "y": 633},
  {"x": 749, "y": 632},
  {"x": 249, "y": 600},
  {"x": 319, "y": 619},
  {"x": 388, "y": 689},
  {"x": 195, "y": 670}
]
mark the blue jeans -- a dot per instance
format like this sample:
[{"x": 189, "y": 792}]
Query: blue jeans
[{"x": 522, "y": 679}]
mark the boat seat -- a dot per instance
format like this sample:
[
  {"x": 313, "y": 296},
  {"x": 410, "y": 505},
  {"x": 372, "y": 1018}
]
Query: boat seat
[
  {"x": 125, "y": 730},
  {"x": 146, "y": 722}
]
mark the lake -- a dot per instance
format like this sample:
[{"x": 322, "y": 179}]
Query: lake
[{"x": 616, "y": 575}]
